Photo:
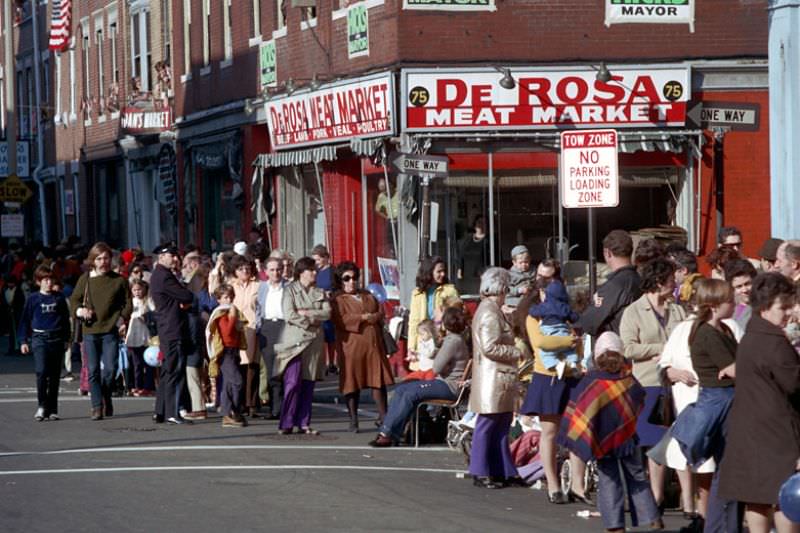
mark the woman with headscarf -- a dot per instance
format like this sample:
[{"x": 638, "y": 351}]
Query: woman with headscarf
[{"x": 300, "y": 360}]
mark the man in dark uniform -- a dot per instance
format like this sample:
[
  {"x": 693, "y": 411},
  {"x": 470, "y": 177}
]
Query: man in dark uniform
[
  {"x": 172, "y": 300},
  {"x": 618, "y": 292}
]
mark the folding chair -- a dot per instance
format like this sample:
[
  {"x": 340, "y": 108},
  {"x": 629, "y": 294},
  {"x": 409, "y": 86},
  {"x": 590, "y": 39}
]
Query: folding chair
[{"x": 451, "y": 405}]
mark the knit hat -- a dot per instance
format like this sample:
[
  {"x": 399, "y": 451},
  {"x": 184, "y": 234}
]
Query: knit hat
[
  {"x": 240, "y": 248},
  {"x": 608, "y": 342},
  {"x": 519, "y": 249}
]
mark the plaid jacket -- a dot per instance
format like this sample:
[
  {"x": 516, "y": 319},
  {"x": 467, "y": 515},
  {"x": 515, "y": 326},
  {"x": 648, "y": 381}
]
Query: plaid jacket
[{"x": 600, "y": 419}]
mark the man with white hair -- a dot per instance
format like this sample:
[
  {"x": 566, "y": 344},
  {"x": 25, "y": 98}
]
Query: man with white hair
[{"x": 787, "y": 260}]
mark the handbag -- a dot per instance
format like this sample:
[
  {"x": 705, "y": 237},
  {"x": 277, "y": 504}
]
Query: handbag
[
  {"x": 663, "y": 413},
  {"x": 389, "y": 344}
]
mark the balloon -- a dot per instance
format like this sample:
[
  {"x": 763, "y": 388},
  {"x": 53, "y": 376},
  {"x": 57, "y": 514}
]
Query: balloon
[
  {"x": 377, "y": 290},
  {"x": 153, "y": 356},
  {"x": 790, "y": 498}
]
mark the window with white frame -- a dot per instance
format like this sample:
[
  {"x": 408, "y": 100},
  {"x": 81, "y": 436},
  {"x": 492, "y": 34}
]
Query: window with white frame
[
  {"x": 256, "y": 18},
  {"x": 101, "y": 75},
  {"x": 72, "y": 95},
  {"x": 206, "y": 32},
  {"x": 310, "y": 15},
  {"x": 187, "y": 43},
  {"x": 227, "y": 33},
  {"x": 113, "y": 35},
  {"x": 166, "y": 31},
  {"x": 87, "y": 91},
  {"x": 280, "y": 14},
  {"x": 140, "y": 50},
  {"x": 57, "y": 75}
]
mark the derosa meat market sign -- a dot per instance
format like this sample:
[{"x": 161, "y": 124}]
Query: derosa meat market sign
[
  {"x": 544, "y": 99},
  {"x": 359, "y": 108}
]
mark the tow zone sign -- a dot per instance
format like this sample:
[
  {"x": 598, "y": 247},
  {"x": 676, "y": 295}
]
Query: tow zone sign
[{"x": 589, "y": 169}]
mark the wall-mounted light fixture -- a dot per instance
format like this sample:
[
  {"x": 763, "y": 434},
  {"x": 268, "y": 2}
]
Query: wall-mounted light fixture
[
  {"x": 603, "y": 74},
  {"x": 507, "y": 81}
]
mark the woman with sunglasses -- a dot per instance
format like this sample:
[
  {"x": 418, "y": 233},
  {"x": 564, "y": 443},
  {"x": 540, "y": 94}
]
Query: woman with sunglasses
[{"x": 358, "y": 318}]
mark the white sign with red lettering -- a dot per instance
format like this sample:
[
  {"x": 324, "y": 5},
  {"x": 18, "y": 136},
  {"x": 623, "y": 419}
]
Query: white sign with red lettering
[
  {"x": 472, "y": 100},
  {"x": 589, "y": 169},
  {"x": 359, "y": 108}
]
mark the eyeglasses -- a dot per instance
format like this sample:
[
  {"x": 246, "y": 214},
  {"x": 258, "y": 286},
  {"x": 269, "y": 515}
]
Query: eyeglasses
[{"x": 348, "y": 278}]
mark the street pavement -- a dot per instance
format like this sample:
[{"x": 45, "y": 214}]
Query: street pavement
[{"x": 128, "y": 474}]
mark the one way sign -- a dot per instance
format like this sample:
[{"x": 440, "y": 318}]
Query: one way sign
[
  {"x": 735, "y": 116},
  {"x": 431, "y": 166}
]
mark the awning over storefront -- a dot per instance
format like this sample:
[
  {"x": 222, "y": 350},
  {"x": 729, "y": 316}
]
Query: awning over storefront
[{"x": 318, "y": 154}]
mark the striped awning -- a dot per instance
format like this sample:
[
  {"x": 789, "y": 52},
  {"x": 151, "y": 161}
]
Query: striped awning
[{"x": 318, "y": 154}]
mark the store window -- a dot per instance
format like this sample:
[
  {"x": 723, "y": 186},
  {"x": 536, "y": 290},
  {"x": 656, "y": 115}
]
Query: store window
[{"x": 302, "y": 219}]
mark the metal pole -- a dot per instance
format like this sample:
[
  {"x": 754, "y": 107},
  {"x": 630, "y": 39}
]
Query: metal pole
[
  {"x": 560, "y": 243},
  {"x": 426, "y": 217},
  {"x": 10, "y": 74},
  {"x": 365, "y": 213},
  {"x": 592, "y": 259},
  {"x": 491, "y": 209},
  {"x": 719, "y": 181}
]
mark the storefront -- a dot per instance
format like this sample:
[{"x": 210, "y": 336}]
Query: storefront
[
  {"x": 150, "y": 167},
  {"x": 105, "y": 194},
  {"x": 501, "y": 136},
  {"x": 502, "y": 145},
  {"x": 214, "y": 184},
  {"x": 321, "y": 141}
]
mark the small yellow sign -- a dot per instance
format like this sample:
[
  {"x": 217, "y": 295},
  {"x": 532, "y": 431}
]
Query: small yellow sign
[{"x": 12, "y": 189}]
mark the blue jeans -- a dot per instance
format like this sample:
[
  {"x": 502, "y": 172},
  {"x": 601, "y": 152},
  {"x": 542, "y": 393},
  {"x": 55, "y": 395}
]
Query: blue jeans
[
  {"x": 48, "y": 351},
  {"x": 101, "y": 348},
  {"x": 406, "y": 397},
  {"x": 615, "y": 473}
]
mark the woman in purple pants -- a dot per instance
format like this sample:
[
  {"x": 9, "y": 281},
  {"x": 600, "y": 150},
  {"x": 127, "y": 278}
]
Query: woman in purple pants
[{"x": 494, "y": 392}]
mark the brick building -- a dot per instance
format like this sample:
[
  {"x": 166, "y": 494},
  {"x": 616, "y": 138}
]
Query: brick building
[{"x": 252, "y": 91}]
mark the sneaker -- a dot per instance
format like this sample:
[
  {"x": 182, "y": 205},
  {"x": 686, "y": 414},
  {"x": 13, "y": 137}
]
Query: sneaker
[
  {"x": 54, "y": 416},
  {"x": 183, "y": 413},
  {"x": 39, "y": 416},
  {"x": 230, "y": 422},
  {"x": 68, "y": 378}
]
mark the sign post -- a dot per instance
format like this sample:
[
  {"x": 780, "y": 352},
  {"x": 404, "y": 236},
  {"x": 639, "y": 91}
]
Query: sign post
[
  {"x": 589, "y": 178},
  {"x": 426, "y": 167}
]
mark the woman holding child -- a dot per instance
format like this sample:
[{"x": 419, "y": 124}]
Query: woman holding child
[
  {"x": 429, "y": 299},
  {"x": 358, "y": 318},
  {"x": 299, "y": 359},
  {"x": 550, "y": 390}
]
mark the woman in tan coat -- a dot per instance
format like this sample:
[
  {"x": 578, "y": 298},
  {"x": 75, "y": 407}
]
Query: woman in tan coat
[
  {"x": 494, "y": 392},
  {"x": 358, "y": 319},
  {"x": 645, "y": 328},
  {"x": 299, "y": 360}
]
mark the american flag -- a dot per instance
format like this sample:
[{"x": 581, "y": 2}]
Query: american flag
[{"x": 60, "y": 25}]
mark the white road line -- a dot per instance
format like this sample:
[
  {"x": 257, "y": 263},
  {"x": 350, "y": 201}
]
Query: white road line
[
  {"x": 127, "y": 449},
  {"x": 221, "y": 467}
]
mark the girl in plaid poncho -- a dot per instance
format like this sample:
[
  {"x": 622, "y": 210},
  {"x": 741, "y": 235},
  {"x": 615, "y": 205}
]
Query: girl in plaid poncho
[{"x": 600, "y": 423}]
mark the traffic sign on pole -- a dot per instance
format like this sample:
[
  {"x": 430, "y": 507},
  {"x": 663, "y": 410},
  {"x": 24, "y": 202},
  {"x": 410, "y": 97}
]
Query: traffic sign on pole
[
  {"x": 12, "y": 189},
  {"x": 432, "y": 166},
  {"x": 589, "y": 169}
]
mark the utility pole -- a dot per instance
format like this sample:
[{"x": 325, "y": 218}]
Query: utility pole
[{"x": 8, "y": 79}]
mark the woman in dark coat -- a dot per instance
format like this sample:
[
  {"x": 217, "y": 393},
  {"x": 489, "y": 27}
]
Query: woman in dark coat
[
  {"x": 763, "y": 444},
  {"x": 358, "y": 318}
]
